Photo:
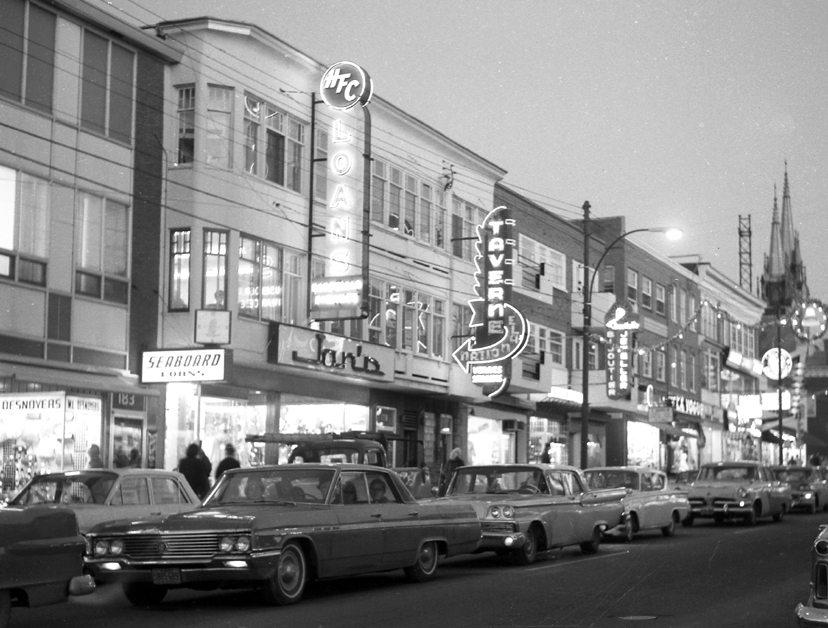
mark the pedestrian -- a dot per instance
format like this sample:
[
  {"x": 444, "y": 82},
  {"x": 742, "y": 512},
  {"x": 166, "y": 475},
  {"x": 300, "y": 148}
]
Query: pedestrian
[
  {"x": 192, "y": 467},
  {"x": 134, "y": 458},
  {"x": 229, "y": 461},
  {"x": 454, "y": 461},
  {"x": 95, "y": 460},
  {"x": 545, "y": 457}
]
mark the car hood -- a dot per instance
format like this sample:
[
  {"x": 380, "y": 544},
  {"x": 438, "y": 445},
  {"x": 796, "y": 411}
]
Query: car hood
[
  {"x": 229, "y": 517},
  {"x": 718, "y": 488}
]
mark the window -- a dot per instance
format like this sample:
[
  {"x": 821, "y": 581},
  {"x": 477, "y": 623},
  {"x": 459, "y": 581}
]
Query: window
[
  {"x": 28, "y": 68},
  {"x": 646, "y": 363},
  {"x": 60, "y": 317},
  {"x": 647, "y": 293},
  {"x": 282, "y": 138},
  {"x": 107, "y": 84},
  {"x": 661, "y": 373},
  {"x": 683, "y": 366},
  {"x": 379, "y": 184},
  {"x": 632, "y": 285},
  {"x": 215, "y": 270},
  {"x": 252, "y": 124},
  {"x": 320, "y": 166},
  {"x": 424, "y": 214},
  {"x": 581, "y": 278},
  {"x": 218, "y": 128},
  {"x": 464, "y": 220},
  {"x": 673, "y": 304},
  {"x": 660, "y": 300},
  {"x": 608, "y": 283},
  {"x": 186, "y": 125},
  {"x": 712, "y": 368},
  {"x": 692, "y": 313},
  {"x": 548, "y": 341},
  {"x": 179, "y": 298},
  {"x": 460, "y": 319},
  {"x": 260, "y": 290},
  {"x": 682, "y": 307},
  {"x": 578, "y": 355},
  {"x": 102, "y": 249},
  {"x": 532, "y": 255},
  {"x": 295, "y": 152},
  {"x": 406, "y": 319},
  {"x": 691, "y": 373},
  {"x": 24, "y": 239},
  {"x": 671, "y": 357}
]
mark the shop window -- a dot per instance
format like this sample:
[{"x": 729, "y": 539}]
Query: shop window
[
  {"x": 186, "y": 125},
  {"x": 107, "y": 87},
  {"x": 219, "y": 126},
  {"x": 214, "y": 280},
  {"x": 102, "y": 249},
  {"x": 179, "y": 297}
]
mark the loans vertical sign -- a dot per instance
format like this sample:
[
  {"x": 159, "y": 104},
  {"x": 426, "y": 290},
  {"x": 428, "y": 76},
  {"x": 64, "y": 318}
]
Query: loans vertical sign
[
  {"x": 499, "y": 329},
  {"x": 340, "y": 293}
]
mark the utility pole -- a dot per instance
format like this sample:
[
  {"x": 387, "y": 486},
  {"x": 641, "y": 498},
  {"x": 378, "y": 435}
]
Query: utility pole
[{"x": 587, "y": 291}]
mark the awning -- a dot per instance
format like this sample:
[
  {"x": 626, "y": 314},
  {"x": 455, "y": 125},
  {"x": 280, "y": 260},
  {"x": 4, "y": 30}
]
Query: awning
[
  {"x": 77, "y": 380},
  {"x": 769, "y": 437},
  {"x": 813, "y": 441}
]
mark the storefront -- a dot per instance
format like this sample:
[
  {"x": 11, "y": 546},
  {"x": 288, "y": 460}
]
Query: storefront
[{"x": 496, "y": 435}]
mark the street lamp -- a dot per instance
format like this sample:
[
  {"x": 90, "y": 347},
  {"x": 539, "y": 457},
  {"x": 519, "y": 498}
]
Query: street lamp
[{"x": 672, "y": 233}]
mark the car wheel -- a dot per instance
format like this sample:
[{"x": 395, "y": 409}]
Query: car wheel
[
  {"x": 670, "y": 528},
  {"x": 688, "y": 521},
  {"x": 591, "y": 546},
  {"x": 526, "y": 555},
  {"x": 288, "y": 583},
  {"x": 780, "y": 515},
  {"x": 629, "y": 528},
  {"x": 144, "y": 593},
  {"x": 426, "y": 566},
  {"x": 5, "y": 608},
  {"x": 751, "y": 517}
]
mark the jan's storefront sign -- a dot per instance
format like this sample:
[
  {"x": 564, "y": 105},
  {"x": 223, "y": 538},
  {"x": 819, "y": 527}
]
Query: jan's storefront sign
[
  {"x": 185, "y": 365},
  {"x": 500, "y": 332},
  {"x": 329, "y": 353},
  {"x": 621, "y": 325}
]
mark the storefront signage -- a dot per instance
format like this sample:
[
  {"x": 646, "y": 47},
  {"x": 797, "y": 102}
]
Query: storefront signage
[
  {"x": 621, "y": 324},
  {"x": 742, "y": 363},
  {"x": 500, "y": 331},
  {"x": 340, "y": 292},
  {"x": 385, "y": 419},
  {"x": 685, "y": 405},
  {"x": 329, "y": 353},
  {"x": 128, "y": 401},
  {"x": 185, "y": 365},
  {"x": 774, "y": 360}
]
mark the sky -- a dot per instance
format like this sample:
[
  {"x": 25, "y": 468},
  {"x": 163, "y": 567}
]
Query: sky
[{"x": 679, "y": 113}]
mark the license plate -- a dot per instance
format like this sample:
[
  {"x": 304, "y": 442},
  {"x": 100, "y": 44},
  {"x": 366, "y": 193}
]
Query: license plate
[{"x": 166, "y": 575}]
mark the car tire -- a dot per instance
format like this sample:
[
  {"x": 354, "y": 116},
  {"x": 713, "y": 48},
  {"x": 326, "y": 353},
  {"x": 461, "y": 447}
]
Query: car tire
[
  {"x": 426, "y": 566},
  {"x": 144, "y": 593},
  {"x": 780, "y": 515},
  {"x": 527, "y": 554},
  {"x": 5, "y": 608},
  {"x": 629, "y": 528},
  {"x": 687, "y": 522},
  {"x": 670, "y": 528},
  {"x": 288, "y": 583},
  {"x": 591, "y": 546},
  {"x": 751, "y": 517}
]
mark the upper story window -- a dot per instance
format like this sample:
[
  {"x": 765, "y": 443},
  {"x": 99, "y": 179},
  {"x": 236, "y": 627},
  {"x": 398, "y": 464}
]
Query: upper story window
[
  {"x": 219, "y": 130},
  {"x": 608, "y": 279},
  {"x": 179, "y": 299},
  {"x": 406, "y": 319},
  {"x": 646, "y": 364},
  {"x": 107, "y": 84},
  {"x": 464, "y": 220},
  {"x": 691, "y": 312},
  {"x": 102, "y": 248},
  {"x": 27, "y": 39},
  {"x": 632, "y": 285},
  {"x": 275, "y": 139},
  {"x": 682, "y": 306},
  {"x": 711, "y": 371},
  {"x": 578, "y": 355},
  {"x": 532, "y": 255},
  {"x": 647, "y": 293},
  {"x": 674, "y": 304},
  {"x": 683, "y": 364},
  {"x": 320, "y": 166},
  {"x": 186, "y": 125},
  {"x": 270, "y": 281},
  {"x": 660, "y": 366},
  {"x": 25, "y": 203},
  {"x": 460, "y": 319},
  {"x": 548, "y": 341},
  {"x": 660, "y": 300},
  {"x": 214, "y": 278}
]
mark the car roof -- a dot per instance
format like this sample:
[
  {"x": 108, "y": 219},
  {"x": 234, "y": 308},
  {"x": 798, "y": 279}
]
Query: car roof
[
  {"x": 322, "y": 466},
  {"x": 324, "y": 444},
  {"x": 637, "y": 469},
  {"x": 734, "y": 463},
  {"x": 105, "y": 471},
  {"x": 513, "y": 466}
]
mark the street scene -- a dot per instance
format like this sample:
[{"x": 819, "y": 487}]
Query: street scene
[{"x": 510, "y": 317}]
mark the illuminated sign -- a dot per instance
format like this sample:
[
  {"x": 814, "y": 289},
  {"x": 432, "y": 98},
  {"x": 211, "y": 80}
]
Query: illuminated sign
[
  {"x": 329, "y": 353},
  {"x": 621, "y": 324},
  {"x": 340, "y": 292},
  {"x": 777, "y": 363},
  {"x": 809, "y": 320},
  {"x": 500, "y": 331},
  {"x": 185, "y": 365}
]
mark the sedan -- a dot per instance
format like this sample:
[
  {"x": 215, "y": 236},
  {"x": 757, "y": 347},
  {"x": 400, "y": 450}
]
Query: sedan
[
  {"x": 273, "y": 528},
  {"x": 809, "y": 490},
  {"x": 98, "y": 495},
  {"x": 650, "y": 503}
]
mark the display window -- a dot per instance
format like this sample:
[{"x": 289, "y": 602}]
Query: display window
[
  {"x": 643, "y": 445},
  {"x": 488, "y": 443}
]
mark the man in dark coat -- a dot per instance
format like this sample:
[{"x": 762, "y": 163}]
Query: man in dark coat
[
  {"x": 193, "y": 469},
  {"x": 229, "y": 461}
]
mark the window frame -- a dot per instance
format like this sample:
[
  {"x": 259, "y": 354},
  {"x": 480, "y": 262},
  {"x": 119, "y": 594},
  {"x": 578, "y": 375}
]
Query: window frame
[
  {"x": 660, "y": 300},
  {"x": 181, "y": 262},
  {"x": 646, "y": 292},
  {"x": 99, "y": 281},
  {"x": 632, "y": 286}
]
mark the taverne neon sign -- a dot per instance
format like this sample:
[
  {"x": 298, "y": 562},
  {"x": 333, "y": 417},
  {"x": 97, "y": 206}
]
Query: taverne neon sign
[{"x": 499, "y": 329}]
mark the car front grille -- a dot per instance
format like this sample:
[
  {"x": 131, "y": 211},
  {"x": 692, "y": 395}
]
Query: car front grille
[
  {"x": 719, "y": 502},
  {"x": 498, "y": 526},
  {"x": 172, "y": 546},
  {"x": 821, "y": 581},
  {"x": 697, "y": 502}
]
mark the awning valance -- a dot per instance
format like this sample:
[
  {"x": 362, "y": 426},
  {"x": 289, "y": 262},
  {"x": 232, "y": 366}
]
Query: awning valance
[{"x": 76, "y": 380}]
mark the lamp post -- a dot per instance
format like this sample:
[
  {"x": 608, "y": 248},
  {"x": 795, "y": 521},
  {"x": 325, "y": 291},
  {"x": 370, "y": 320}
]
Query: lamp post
[{"x": 673, "y": 234}]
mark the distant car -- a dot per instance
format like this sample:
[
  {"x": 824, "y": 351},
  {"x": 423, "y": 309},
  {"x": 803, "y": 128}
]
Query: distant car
[
  {"x": 814, "y": 612},
  {"x": 683, "y": 479},
  {"x": 98, "y": 495},
  {"x": 744, "y": 490},
  {"x": 650, "y": 504},
  {"x": 527, "y": 508},
  {"x": 41, "y": 558},
  {"x": 273, "y": 528},
  {"x": 340, "y": 450},
  {"x": 809, "y": 490}
]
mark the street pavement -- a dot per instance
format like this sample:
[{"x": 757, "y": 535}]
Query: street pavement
[{"x": 706, "y": 576}]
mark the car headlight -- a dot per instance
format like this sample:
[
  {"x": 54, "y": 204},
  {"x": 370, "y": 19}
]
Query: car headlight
[
  {"x": 101, "y": 547},
  {"x": 226, "y": 544},
  {"x": 495, "y": 512},
  {"x": 821, "y": 548},
  {"x": 242, "y": 544},
  {"x": 742, "y": 492},
  {"x": 508, "y": 512},
  {"x": 116, "y": 547}
]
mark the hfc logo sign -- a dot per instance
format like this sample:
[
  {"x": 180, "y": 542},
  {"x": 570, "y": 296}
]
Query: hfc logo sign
[{"x": 345, "y": 85}]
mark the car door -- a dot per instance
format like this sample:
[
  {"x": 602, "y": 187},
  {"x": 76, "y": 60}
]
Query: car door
[
  {"x": 358, "y": 546},
  {"x": 559, "y": 512},
  {"x": 777, "y": 490},
  {"x": 573, "y": 515},
  {"x": 658, "y": 505},
  {"x": 402, "y": 527}
]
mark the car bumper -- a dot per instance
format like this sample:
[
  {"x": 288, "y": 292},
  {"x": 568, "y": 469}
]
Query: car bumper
[
  {"x": 501, "y": 540},
  {"x": 803, "y": 500},
  {"x": 731, "y": 509},
  {"x": 811, "y": 616},
  {"x": 217, "y": 570}
]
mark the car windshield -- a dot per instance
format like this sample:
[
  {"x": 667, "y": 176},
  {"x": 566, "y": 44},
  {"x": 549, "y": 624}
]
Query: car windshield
[
  {"x": 326, "y": 455},
  {"x": 613, "y": 479},
  {"x": 793, "y": 475},
  {"x": 67, "y": 488},
  {"x": 728, "y": 474},
  {"x": 296, "y": 484},
  {"x": 494, "y": 480}
]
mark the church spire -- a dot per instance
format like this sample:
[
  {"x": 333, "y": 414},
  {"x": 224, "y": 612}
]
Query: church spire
[
  {"x": 787, "y": 235},
  {"x": 775, "y": 267}
]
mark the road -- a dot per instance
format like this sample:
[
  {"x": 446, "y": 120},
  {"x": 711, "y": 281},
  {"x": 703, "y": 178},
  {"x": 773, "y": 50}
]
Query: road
[{"x": 705, "y": 576}]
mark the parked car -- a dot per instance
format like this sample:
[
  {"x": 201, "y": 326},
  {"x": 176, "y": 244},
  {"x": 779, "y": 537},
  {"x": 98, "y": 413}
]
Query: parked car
[
  {"x": 273, "y": 528},
  {"x": 98, "y": 495},
  {"x": 814, "y": 612},
  {"x": 683, "y": 479},
  {"x": 809, "y": 490},
  {"x": 41, "y": 558},
  {"x": 650, "y": 503},
  {"x": 528, "y": 508},
  {"x": 737, "y": 490},
  {"x": 348, "y": 450}
]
